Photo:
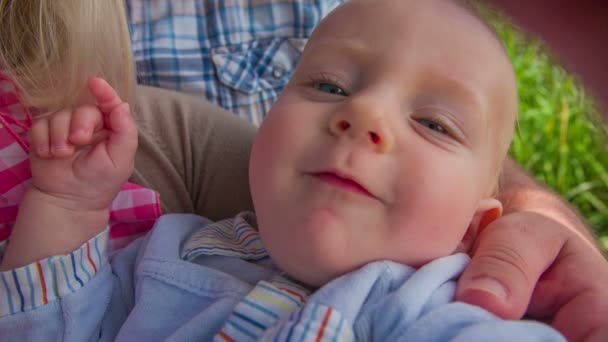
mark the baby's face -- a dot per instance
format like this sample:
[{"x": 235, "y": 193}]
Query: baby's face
[{"x": 383, "y": 145}]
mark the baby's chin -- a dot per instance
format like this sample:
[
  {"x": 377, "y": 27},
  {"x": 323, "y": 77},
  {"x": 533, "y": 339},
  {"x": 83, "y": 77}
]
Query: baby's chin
[
  {"x": 322, "y": 268},
  {"x": 317, "y": 272},
  {"x": 314, "y": 279}
]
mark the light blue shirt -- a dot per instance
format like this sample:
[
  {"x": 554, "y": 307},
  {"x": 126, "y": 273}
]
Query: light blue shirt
[{"x": 148, "y": 292}]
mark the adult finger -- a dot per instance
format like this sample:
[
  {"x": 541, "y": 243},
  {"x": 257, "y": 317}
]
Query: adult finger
[
  {"x": 572, "y": 293},
  {"x": 509, "y": 257},
  {"x": 583, "y": 317}
]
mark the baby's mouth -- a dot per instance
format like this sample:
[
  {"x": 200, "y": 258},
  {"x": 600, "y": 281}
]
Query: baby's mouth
[{"x": 343, "y": 181}]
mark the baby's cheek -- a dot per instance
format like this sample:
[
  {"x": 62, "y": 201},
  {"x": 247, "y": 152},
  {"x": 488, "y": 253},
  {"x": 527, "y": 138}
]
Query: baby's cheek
[{"x": 421, "y": 233}]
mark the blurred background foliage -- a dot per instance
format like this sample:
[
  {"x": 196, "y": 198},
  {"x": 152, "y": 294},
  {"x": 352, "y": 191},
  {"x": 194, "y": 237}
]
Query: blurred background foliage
[{"x": 560, "y": 136}]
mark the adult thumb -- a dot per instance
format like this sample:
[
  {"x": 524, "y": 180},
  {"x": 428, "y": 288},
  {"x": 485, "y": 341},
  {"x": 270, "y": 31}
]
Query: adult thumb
[{"x": 509, "y": 257}]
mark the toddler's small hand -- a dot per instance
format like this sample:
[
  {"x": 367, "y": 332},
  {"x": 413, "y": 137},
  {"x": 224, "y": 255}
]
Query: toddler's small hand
[
  {"x": 85, "y": 156},
  {"x": 57, "y": 135},
  {"x": 122, "y": 142}
]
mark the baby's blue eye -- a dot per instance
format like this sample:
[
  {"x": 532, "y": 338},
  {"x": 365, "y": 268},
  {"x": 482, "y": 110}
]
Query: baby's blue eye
[
  {"x": 434, "y": 126},
  {"x": 331, "y": 89}
]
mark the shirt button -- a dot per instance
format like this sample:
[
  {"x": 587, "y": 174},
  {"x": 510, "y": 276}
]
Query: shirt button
[{"x": 278, "y": 71}]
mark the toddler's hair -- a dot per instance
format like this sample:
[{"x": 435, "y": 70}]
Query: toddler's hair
[{"x": 50, "y": 48}]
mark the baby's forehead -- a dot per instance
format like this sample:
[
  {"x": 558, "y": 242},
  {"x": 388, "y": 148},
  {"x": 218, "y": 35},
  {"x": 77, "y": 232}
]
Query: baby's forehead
[
  {"x": 442, "y": 23},
  {"x": 394, "y": 12},
  {"x": 458, "y": 41}
]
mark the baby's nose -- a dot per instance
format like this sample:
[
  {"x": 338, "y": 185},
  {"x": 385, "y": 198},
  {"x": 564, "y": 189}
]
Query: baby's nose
[{"x": 368, "y": 128}]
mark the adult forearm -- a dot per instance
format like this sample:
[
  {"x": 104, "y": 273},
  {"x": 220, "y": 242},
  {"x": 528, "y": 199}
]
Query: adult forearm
[
  {"x": 520, "y": 192},
  {"x": 46, "y": 227},
  {"x": 193, "y": 153}
]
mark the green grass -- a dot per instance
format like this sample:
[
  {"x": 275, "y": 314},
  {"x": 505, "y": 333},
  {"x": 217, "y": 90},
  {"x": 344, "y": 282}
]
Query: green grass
[{"x": 560, "y": 138}]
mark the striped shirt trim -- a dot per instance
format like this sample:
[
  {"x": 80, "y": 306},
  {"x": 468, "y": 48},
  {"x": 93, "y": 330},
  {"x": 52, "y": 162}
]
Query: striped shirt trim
[
  {"x": 235, "y": 237},
  {"x": 315, "y": 322},
  {"x": 262, "y": 308},
  {"x": 44, "y": 281},
  {"x": 267, "y": 314}
]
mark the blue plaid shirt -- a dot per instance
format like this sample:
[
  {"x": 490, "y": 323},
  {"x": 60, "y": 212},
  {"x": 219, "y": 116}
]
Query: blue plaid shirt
[{"x": 236, "y": 53}]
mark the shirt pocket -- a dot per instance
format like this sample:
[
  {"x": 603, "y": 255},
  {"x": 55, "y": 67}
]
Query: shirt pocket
[{"x": 258, "y": 66}]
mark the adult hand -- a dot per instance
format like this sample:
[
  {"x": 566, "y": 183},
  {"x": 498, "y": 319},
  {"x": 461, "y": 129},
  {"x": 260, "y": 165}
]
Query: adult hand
[
  {"x": 522, "y": 248},
  {"x": 538, "y": 258}
]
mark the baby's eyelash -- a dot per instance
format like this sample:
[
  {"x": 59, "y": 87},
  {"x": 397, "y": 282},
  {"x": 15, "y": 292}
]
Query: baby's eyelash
[
  {"x": 321, "y": 78},
  {"x": 440, "y": 126},
  {"x": 435, "y": 125}
]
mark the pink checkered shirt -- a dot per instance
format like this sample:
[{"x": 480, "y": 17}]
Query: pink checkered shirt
[{"x": 132, "y": 213}]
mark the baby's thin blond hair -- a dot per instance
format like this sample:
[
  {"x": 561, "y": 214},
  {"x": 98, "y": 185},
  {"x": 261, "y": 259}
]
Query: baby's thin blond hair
[
  {"x": 502, "y": 134},
  {"x": 50, "y": 48}
]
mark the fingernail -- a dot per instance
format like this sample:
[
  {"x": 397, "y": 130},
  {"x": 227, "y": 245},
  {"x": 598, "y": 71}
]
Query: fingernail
[
  {"x": 84, "y": 131},
  {"x": 42, "y": 150},
  {"x": 490, "y": 285},
  {"x": 60, "y": 146}
]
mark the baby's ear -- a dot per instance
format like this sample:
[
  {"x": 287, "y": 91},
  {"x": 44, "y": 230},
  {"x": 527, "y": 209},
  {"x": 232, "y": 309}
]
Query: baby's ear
[{"x": 488, "y": 210}]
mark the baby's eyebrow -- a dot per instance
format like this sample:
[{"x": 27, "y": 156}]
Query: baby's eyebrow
[
  {"x": 455, "y": 90},
  {"x": 348, "y": 48},
  {"x": 466, "y": 104}
]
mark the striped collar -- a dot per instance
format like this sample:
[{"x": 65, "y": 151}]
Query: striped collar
[{"x": 234, "y": 237}]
